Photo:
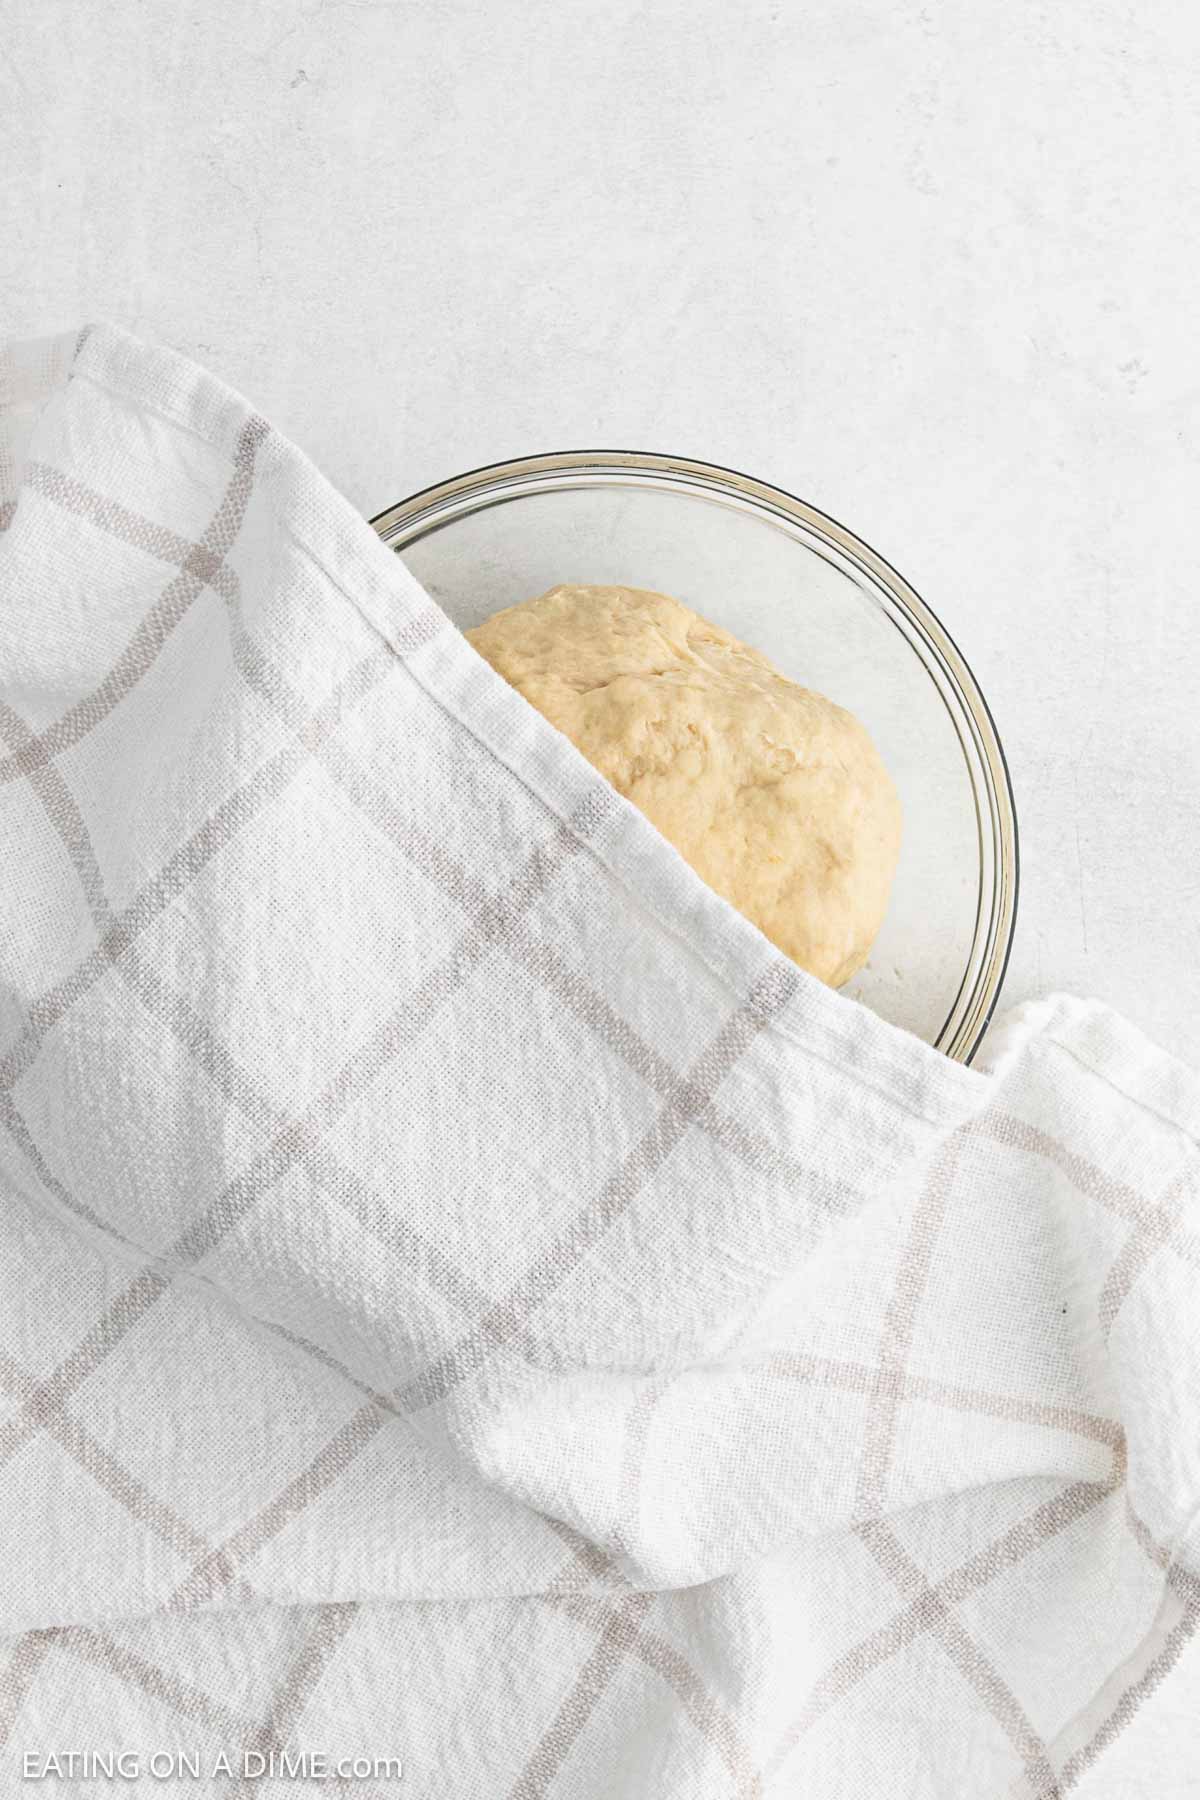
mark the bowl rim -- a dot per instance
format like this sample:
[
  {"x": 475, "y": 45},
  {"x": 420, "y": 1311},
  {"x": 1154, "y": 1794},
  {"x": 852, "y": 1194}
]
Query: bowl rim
[{"x": 490, "y": 483}]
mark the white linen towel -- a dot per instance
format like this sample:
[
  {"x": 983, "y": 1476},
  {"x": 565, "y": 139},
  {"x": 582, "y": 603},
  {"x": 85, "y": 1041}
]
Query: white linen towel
[{"x": 464, "y": 1295}]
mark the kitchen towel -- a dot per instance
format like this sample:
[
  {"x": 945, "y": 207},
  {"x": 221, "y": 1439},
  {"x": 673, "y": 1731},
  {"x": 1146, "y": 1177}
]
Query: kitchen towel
[{"x": 466, "y": 1299}]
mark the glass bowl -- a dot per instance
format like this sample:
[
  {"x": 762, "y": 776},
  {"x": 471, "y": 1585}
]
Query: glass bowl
[{"x": 831, "y": 613}]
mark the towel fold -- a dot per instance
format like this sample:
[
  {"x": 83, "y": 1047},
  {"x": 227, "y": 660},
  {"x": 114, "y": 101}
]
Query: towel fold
[{"x": 465, "y": 1297}]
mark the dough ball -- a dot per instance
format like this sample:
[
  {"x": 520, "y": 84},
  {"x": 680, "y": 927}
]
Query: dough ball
[{"x": 774, "y": 795}]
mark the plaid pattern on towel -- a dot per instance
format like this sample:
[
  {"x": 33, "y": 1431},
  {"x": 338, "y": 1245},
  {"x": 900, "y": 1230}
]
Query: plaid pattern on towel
[{"x": 464, "y": 1296}]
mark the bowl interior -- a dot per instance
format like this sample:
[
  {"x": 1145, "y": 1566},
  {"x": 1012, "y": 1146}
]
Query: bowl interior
[{"x": 802, "y": 594}]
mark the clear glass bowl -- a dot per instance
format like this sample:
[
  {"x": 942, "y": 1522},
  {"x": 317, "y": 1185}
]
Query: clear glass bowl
[{"x": 831, "y": 613}]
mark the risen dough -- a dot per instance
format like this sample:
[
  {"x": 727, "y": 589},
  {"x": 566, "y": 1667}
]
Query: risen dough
[{"x": 775, "y": 796}]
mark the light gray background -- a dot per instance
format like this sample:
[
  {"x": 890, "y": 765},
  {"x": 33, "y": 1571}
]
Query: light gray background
[{"x": 932, "y": 266}]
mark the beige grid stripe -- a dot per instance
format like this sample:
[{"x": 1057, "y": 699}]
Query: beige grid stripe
[
  {"x": 1185, "y": 1586},
  {"x": 859, "y": 1378},
  {"x": 930, "y": 1612},
  {"x": 617, "y": 1635},
  {"x": 400, "y": 1027},
  {"x": 16, "y": 1680},
  {"x": 548, "y": 1272},
  {"x": 1158, "y": 1227},
  {"x": 214, "y": 1572},
  {"x": 1185, "y": 1583},
  {"x": 692, "y": 1096},
  {"x": 1017, "y": 1543},
  {"x": 232, "y": 816},
  {"x": 99, "y": 1650},
  {"x": 161, "y": 1520},
  {"x": 395, "y": 1233},
  {"x": 1088, "y": 1179},
  {"x": 283, "y": 1149},
  {"x": 538, "y": 959},
  {"x": 1157, "y": 1224},
  {"x": 191, "y": 1703},
  {"x": 712, "y": 1721},
  {"x": 622, "y": 1634},
  {"x": 879, "y": 1439},
  {"x": 929, "y": 1605},
  {"x": 637, "y": 1437},
  {"x": 156, "y": 626},
  {"x": 1133, "y": 1698},
  {"x": 994, "y": 1692},
  {"x": 898, "y": 1326},
  {"x": 274, "y": 1733},
  {"x": 296, "y": 1687},
  {"x": 929, "y": 1608},
  {"x": 922, "y": 1613}
]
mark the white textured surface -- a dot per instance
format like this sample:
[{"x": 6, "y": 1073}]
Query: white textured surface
[{"x": 931, "y": 267}]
